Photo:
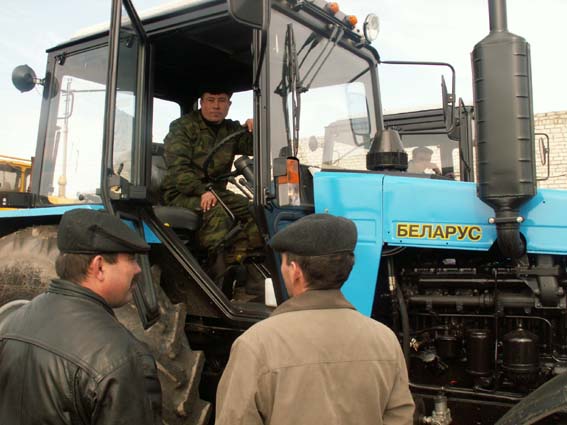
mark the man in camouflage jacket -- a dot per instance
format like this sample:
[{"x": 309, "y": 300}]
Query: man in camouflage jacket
[{"x": 189, "y": 141}]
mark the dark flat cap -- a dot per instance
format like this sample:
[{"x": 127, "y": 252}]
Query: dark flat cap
[
  {"x": 316, "y": 234},
  {"x": 84, "y": 231}
]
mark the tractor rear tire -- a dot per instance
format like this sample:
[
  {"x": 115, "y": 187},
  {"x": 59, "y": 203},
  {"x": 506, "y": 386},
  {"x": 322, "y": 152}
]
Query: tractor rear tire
[
  {"x": 27, "y": 265},
  {"x": 27, "y": 262}
]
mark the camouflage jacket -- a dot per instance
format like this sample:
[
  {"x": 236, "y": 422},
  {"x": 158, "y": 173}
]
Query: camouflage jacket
[{"x": 187, "y": 145}]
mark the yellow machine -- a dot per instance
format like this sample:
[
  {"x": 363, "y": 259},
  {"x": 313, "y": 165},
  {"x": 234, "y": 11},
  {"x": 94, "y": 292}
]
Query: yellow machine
[
  {"x": 15, "y": 177},
  {"x": 14, "y": 174}
]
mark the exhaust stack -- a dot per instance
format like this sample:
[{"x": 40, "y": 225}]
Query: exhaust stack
[{"x": 505, "y": 127}]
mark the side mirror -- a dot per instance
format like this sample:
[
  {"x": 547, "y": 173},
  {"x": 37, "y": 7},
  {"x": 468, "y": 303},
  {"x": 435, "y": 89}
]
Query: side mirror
[
  {"x": 448, "y": 106},
  {"x": 253, "y": 13},
  {"x": 24, "y": 78}
]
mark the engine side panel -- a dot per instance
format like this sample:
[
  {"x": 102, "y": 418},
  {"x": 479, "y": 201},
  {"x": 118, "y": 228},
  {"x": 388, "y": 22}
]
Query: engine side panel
[{"x": 426, "y": 213}]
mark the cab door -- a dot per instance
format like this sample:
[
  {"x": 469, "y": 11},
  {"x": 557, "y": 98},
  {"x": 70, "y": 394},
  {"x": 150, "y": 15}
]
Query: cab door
[{"x": 123, "y": 178}]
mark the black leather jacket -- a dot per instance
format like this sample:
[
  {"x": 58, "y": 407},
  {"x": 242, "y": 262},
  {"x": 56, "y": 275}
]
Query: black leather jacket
[{"x": 65, "y": 359}]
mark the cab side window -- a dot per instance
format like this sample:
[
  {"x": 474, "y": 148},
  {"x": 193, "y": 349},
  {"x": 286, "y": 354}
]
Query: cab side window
[{"x": 165, "y": 112}]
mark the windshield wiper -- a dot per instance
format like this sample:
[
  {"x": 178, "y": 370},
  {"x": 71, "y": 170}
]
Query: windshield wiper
[
  {"x": 320, "y": 60},
  {"x": 312, "y": 41},
  {"x": 290, "y": 85}
]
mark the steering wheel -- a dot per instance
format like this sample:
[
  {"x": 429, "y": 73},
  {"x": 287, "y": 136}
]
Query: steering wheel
[{"x": 213, "y": 151}]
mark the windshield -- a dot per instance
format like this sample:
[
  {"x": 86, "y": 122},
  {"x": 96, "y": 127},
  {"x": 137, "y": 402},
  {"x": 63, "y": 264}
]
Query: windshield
[
  {"x": 322, "y": 106},
  {"x": 72, "y": 153}
]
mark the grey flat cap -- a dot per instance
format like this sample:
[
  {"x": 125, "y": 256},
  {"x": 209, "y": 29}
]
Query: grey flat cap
[
  {"x": 423, "y": 149},
  {"x": 84, "y": 231},
  {"x": 316, "y": 234}
]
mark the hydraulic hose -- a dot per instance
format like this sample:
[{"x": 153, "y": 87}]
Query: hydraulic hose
[{"x": 405, "y": 324}]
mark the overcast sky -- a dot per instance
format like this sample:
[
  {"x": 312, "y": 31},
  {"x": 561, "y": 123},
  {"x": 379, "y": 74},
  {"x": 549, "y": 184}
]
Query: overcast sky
[{"x": 426, "y": 30}]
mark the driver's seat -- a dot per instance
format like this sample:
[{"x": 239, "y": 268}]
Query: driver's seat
[{"x": 181, "y": 220}]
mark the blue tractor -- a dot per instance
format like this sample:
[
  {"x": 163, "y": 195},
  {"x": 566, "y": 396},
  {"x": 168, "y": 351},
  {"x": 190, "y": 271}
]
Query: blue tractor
[{"x": 470, "y": 275}]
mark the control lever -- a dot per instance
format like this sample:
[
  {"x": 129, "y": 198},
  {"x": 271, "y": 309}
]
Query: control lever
[{"x": 245, "y": 166}]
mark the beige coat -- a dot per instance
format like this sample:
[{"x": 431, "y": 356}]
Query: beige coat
[{"x": 316, "y": 360}]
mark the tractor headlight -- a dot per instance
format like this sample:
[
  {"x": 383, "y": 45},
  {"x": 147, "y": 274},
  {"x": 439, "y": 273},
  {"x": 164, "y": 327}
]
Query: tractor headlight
[{"x": 371, "y": 27}]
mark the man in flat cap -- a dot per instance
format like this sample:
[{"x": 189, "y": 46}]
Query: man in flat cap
[
  {"x": 315, "y": 360},
  {"x": 188, "y": 143},
  {"x": 64, "y": 357}
]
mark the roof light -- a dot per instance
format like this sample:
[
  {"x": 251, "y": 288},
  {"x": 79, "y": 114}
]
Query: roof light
[
  {"x": 371, "y": 27},
  {"x": 351, "y": 20},
  {"x": 333, "y": 7}
]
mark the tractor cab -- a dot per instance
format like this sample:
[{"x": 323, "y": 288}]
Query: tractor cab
[{"x": 110, "y": 95}]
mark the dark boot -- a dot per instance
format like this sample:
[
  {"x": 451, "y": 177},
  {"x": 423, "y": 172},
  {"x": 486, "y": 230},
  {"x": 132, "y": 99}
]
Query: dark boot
[
  {"x": 234, "y": 276},
  {"x": 216, "y": 268},
  {"x": 255, "y": 283}
]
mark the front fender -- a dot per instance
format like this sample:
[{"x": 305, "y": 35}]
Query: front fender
[{"x": 550, "y": 398}]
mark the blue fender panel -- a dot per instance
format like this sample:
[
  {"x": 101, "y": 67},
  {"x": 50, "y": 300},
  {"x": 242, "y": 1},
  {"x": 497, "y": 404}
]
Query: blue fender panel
[
  {"x": 356, "y": 196},
  {"x": 46, "y": 211},
  {"x": 149, "y": 236},
  {"x": 545, "y": 224}
]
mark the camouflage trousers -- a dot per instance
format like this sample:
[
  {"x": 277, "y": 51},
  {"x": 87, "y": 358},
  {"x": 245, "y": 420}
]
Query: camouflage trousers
[{"x": 216, "y": 223}]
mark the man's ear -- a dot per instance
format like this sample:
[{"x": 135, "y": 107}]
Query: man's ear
[
  {"x": 296, "y": 270},
  {"x": 299, "y": 283},
  {"x": 96, "y": 267}
]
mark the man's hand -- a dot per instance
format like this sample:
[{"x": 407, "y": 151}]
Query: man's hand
[
  {"x": 208, "y": 201},
  {"x": 249, "y": 124},
  {"x": 435, "y": 168}
]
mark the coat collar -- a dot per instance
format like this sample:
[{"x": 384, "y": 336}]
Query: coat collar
[
  {"x": 199, "y": 119},
  {"x": 70, "y": 289},
  {"x": 314, "y": 300}
]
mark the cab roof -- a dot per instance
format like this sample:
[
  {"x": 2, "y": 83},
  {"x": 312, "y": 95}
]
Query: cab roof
[{"x": 156, "y": 13}]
